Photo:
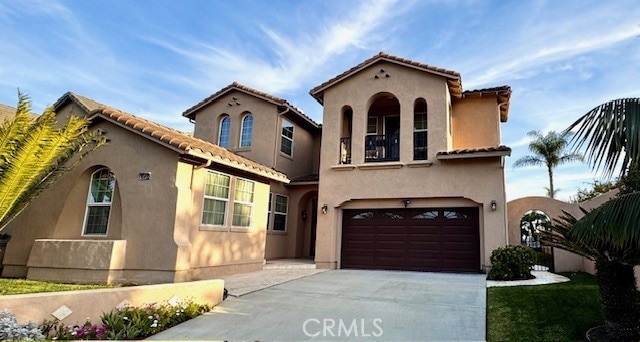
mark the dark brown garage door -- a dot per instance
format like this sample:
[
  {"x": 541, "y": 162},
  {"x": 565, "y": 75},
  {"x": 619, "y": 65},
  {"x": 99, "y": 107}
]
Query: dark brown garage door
[{"x": 428, "y": 239}]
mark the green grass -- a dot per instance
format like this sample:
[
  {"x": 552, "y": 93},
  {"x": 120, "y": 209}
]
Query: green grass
[
  {"x": 20, "y": 286},
  {"x": 557, "y": 312}
]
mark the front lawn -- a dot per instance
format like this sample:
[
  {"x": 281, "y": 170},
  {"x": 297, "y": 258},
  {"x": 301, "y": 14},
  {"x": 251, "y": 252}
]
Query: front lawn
[
  {"x": 19, "y": 286},
  {"x": 557, "y": 312}
]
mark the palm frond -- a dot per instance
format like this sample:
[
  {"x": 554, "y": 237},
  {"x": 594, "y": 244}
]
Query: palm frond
[
  {"x": 529, "y": 161},
  {"x": 610, "y": 133},
  {"x": 615, "y": 224}
]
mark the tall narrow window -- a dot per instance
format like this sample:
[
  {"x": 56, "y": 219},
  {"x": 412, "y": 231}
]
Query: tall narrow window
[
  {"x": 224, "y": 131},
  {"x": 101, "y": 189},
  {"x": 246, "y": 131},
  {"x": 280, "y": 213},
  {"x": 216, "y": 197},
  {"x": 286, "y": 143},
  {"x": 269, "y": 210},
  {"x": 243, "y": 203},
  {"x": 420, "y": 130}
]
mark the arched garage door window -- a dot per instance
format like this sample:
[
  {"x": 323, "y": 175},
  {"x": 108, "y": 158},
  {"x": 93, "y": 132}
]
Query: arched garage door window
[{"x": 101, "y": 189}]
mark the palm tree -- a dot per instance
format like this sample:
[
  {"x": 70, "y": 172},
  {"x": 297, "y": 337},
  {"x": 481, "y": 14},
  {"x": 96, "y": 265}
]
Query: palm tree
[
  {"x": 548, "y": 150},
  {"x": 34, "y": 153},
  {"x": 610, "y": 234}
]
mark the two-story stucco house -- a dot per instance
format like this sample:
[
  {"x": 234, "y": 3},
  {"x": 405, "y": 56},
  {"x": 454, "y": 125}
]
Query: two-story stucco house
[
  {"x": 406, "y": 172},
  {"x": 411, "y": 169}
]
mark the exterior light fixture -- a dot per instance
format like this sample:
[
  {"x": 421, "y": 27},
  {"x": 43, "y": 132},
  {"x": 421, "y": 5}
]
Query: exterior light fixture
[
  {"x": 494, "y": 205},
  {"x": 324, "y": 208},
  {"x": 406, "y": 202}
]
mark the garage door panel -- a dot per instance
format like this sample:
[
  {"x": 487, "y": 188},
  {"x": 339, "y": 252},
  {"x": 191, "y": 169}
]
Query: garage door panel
[{"x": 423, "y": 239}]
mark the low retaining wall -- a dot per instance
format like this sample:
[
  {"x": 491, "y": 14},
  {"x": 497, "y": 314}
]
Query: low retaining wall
[{"x": 83, "y": 304}]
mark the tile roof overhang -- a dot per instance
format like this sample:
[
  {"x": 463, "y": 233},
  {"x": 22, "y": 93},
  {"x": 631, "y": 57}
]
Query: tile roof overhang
[
  {"x": 185, "y": 144},
  {"x": 85, "y": 103},
  {"x": 485, "y": 152},
  {"x": 503, "y": 94},
  {"x": 282, "y": 104},
  {"x": 311, "y": 179},
  {"x": 453, "y": 78}
]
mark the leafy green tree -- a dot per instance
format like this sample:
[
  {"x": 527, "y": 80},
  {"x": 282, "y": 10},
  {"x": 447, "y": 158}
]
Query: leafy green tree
[
  {"x": 597, "y": 188},
  {"x": 550, "y": 151},
  {"x": 610, "y": 234},
  {"x": 35, "y": 152}
]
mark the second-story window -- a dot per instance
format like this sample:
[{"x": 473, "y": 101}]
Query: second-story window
[
  {"x": 224, "y": 131},
  {"x": 286, "y": 142},
  {"x": 420, "y": 130},
  {"x": 246, "y": 131}
]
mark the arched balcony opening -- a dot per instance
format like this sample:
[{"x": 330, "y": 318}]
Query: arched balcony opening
[{"x": 382, "y": 140}]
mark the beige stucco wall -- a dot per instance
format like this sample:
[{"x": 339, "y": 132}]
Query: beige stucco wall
[
  {"x": 475, "y": 123},
  {"x": 294, "y": 243},
  {"x": 265, "y": 147},
  {"x": 563, "y": 261},
  {"x": 472, "y": 182},
  {"x": 83, "y": 304}
]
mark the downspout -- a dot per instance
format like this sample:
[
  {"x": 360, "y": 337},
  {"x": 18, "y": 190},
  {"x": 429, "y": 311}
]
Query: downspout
[
  {"x": 207, "y": 164},
  {"x": 275, "y": 145}
]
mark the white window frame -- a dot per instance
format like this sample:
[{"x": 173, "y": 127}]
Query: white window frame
[
  {"x": 282, "y": 136},
  {"x": 205, "y": 196},
  {"x": 243, "y": 127},
  {"x": 250, "y": 204},
  {"x": 221, "y": 120},
  {"x": 367, "y": 129},
  {"x": 274, "y": 212},
  {"x": 102, "y": 204}
]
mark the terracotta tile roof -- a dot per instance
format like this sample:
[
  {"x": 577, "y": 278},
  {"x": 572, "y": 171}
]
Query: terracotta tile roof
[
  {"x": 6, "y": 112},
  {"x": 185, "y": 143},
  {"x": 85, "y": 103},
  {"x": 453, "y": 77},
  {"x": 190, "y": 113},
  {"x": 502, "y": 92},
  {"x": 475, "y": 152}
]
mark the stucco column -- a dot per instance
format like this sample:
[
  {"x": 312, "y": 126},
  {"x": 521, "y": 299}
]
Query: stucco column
[
  {"x": 406, "y": 129},
  {"x": 181, "y": 230},
  {"x": 358, "y": 132}
]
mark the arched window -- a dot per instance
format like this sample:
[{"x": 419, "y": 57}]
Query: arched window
[
  {"x": 224, "y": 131},
  {"x": 420, "y": 130},
  {"x": 246, "y": 131},
  {"x": 101, "y": 189}
]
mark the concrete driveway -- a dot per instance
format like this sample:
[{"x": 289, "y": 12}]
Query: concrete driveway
[{"x": 350, "y": 305}]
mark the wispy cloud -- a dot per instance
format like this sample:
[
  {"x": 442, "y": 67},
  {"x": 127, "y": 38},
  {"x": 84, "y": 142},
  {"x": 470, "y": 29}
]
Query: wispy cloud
[{"x": 299, "y": 55}]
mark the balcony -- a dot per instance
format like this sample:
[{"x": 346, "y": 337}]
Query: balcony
[{"x": 381, "y": 148}]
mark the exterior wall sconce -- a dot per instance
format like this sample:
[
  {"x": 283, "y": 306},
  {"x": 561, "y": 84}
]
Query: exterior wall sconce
[
  {"x": 304, "y": 214},
  {"x": 324, "y": 208},
  {"x": 494, "y": 205},
  {"x": 406, "y": 202}
]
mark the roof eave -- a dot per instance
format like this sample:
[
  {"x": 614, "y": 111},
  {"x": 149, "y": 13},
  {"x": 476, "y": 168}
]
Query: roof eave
[
  {"x": 277, "y": 176},
  {"x": 469, "y": 155}
]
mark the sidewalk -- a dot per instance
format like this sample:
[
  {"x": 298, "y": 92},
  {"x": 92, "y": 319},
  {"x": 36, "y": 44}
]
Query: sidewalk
[{"x": 275, "y": 272}]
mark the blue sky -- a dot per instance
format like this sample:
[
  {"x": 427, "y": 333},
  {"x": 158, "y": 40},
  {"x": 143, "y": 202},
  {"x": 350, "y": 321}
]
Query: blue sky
[{"x": 157, "y": 58}]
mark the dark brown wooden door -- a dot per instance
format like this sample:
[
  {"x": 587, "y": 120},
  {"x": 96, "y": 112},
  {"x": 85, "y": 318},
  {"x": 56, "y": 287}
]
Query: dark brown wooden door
[{"x": 426, "y": 239}]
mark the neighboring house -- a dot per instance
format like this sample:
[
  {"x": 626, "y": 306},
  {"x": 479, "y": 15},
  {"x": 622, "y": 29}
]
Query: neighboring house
[
  {"x": 407, "y": 172},
  {"x": 144, "y": 208},
  {"x": 411, "y": 169}
]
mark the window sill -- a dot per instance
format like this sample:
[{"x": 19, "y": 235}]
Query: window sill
[
  {"x": 213, "y": 228},
  {"x": 380, "y": 166},
  {"x": 420, "y": 163},
  {"x": 276, "y": 232},
  {"x": 240, "y": 229},
  {"x": 283, "y": 155},
  {"x": 343, "y": 167},
  {"x": 240, "y": 149}
]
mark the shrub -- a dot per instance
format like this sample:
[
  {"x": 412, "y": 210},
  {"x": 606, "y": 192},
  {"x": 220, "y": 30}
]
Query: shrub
[
  {"x": 11, "y": 330},
  {"x": 128, "y": 323},
  {"x": 511, "y": 263}
]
